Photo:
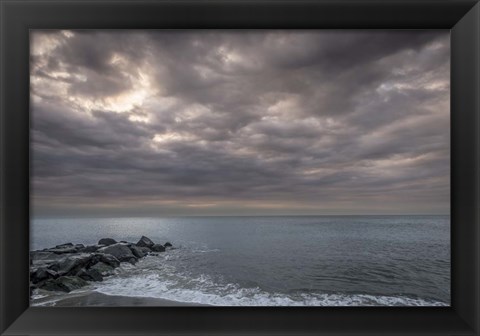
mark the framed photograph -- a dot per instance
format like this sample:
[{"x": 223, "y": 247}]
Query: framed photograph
[{"x": 240, "y": 167}]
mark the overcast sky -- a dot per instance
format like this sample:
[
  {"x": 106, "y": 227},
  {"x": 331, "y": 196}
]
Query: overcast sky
[{"x": 151, "y": 123}]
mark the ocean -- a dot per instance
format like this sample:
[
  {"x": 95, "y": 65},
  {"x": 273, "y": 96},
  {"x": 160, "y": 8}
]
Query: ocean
[{"x": 274, "y": 261}]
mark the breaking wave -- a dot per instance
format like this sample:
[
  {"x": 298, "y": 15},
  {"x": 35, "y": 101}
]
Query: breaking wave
[{"x": 153, "y": 277}]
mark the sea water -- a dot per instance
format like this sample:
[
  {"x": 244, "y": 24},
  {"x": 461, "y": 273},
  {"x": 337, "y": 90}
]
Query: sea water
[{"x": 274, "y": 261}]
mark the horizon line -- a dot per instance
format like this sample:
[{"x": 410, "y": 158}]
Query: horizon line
[{"x": 290, "y": 215}]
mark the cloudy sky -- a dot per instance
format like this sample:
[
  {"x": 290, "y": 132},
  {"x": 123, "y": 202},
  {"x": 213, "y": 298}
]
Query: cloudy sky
[{"x": 147, "y": 123}]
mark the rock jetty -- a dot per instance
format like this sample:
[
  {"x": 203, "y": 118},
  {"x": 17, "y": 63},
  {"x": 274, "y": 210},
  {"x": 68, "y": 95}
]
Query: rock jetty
[{"x": 70, "y": 266}]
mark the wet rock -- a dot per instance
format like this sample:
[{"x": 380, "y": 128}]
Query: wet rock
[
  {"x": 42, "y": 274},
  {"x": 64, "y": 284},
  {"x": 102, "y": 268},
  {"x": 66, "y": 245},
  {"x": 63, "y": 250},
  {"x": 90, "y": 248},
  {"x": 145, "y": 250},
  {"x": 109, "y": 259},
  {"x": 39, "y": 258},
  {"x": 145, "y": 242},
  {"x": 67, "y": 267},
  {"x": 72, "y": 264},
  {"x": 119, "y": 251},
  {"x": 132, "y": 261},
  {"x": 107, "y": 241},
  {"x": 158, "y": 248},
  {"x": 137, "y": 251},
  {"x": 90, "y": 275}
]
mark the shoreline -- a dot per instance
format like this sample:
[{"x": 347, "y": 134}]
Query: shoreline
[
  {"x": 71, "y": 275},
  {"x": 96, "y": 299},
  {"x": 92, "y": 298}
]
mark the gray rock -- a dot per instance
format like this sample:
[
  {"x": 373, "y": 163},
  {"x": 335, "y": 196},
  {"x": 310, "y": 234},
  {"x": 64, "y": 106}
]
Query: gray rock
[
  {"x": 108, "y": 259},
  {"x": 62, "y": 246},
  {"x": 145, "y": 250},
  {"x": 66, "y": 248},
  {"x": 42, "y": 274},
  {"x": 72, "y": 264},
  {"x": 102, "y": 268},
  {"x": 168, "y": 244},
  {"x": 119, "y": 251},
  {"x": 65, "y": 267},
  {"x": 64, "y": 284},
  {"x": 107, "y": 241},
  {"x": 90, "y": 248},
  {"x": 137, "y": 251},
  {"x": 158, "y": 248},
  {"x": 90, "y": 275},
  {"x": 145, "y": 242},
  {"x": 62, "y": 250},
  {"x": 39, "y": 258}
]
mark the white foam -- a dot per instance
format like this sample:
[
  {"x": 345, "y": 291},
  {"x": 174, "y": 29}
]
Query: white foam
[
  {"x": 166, "y": 283},
  {"x": 37, "y": 296},
  {"x": 50, "y": 303},
  {"x": 50, "y": 298},
  {"x": 205, "y": 250}
]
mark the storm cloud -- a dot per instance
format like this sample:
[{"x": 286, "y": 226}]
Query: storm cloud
[{"x": 240, "y": 122}]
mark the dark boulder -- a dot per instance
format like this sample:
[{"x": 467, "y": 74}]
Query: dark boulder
[
  {"x": 137, "y": 251},
  {"x": 158, "y": 248},
  {"x": 90, "y": 275},
  {"x": 145, "y": 250},
  {"x": 108, "y": 259},
  {"x": 41, "y": 274},
  {"x": 119, "y": 251},
  {"x": 64, "y": 284},
  {"x": 66, "y": 245},
  {"x": 67, "y": 267},
  {"x": 102, "y": 268},
  {"x": 107, "y": 241},
  {"x": 62, "y": 250},
  {"x": 66, "y": 248},
  {"x": 72, "y": 264},
  {"x": 145, "y": 242},
  {"x": 40, "y": 258},
  {"x": 90, "y": 248}
]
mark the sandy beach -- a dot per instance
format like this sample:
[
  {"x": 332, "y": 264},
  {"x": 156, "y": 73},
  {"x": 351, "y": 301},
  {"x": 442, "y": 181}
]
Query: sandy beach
[{"x": 95, "y": 299}]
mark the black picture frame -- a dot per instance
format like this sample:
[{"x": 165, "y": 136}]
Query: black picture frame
[{"x": 462, "y": 17}]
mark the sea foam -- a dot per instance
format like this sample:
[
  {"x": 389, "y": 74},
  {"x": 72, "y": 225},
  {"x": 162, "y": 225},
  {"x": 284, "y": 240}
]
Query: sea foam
[{"x": 166, "y": 282}]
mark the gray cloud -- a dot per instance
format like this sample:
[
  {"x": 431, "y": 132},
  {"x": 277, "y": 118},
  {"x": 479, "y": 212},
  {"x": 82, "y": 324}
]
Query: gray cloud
[{"x": 247, "y": 122}]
